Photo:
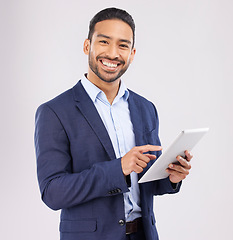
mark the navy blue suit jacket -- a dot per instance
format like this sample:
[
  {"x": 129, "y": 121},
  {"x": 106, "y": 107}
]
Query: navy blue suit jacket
[{"x": 78, "y": 171}]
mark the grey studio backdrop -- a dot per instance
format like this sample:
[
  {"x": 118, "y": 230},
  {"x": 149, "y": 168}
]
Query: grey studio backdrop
[{"x": 183, "y": 65}]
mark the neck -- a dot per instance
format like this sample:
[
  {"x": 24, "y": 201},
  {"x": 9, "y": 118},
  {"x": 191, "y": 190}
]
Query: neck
[{"x": 109, "y": 88}]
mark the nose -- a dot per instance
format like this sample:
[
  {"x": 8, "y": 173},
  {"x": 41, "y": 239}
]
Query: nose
[{"x": 112, "y": 51}]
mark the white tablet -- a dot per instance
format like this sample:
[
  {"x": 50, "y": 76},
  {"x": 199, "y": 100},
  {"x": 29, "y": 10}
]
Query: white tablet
[{"x": 186, "y": 140}]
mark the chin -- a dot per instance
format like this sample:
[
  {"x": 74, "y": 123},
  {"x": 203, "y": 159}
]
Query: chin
[{"x": 109, "y": 80}]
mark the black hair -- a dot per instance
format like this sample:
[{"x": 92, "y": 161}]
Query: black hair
[{"x": 111, "y": 13}]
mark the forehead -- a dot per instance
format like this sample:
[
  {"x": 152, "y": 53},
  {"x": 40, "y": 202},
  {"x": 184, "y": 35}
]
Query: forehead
[{"x": 114, "y": 28}]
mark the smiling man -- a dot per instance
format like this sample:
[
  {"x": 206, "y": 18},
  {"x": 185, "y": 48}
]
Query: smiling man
[
  {"x": 94, "y": 141},
  {"x": 110, "y": 50}
]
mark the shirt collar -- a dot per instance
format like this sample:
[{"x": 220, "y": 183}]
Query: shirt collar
[{"x": 95, "y": 92}]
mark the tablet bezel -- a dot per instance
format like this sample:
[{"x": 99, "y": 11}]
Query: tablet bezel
[{"x": 186, "y": 140}]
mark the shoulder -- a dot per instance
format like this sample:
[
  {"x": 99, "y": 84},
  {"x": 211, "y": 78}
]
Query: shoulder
[
  {"x": 61, "y": 99},
  {"x": 61, "y": 102},
  {"x": 137, "y": 96},
  {"x": 142, "y": 102},
  {"x": 53, "y": 108}
]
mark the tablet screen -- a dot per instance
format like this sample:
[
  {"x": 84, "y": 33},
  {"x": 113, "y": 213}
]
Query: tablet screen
[{"x": 186, "y": 140}]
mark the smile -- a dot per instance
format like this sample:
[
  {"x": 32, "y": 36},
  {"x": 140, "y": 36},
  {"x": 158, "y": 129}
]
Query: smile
[{"x": 108, "y": 64}]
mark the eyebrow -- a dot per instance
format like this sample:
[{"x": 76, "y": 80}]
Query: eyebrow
[{"x": 121, "y": 40}]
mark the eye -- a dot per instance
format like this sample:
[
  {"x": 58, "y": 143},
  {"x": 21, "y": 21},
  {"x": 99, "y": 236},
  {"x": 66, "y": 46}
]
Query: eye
[
  {"x": 103, "y": 41},
  {"x": 124, "y": 46}
]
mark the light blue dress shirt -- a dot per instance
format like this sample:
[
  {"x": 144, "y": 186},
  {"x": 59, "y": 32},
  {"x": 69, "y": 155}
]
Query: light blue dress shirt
[{"x": 116, "y": 118}]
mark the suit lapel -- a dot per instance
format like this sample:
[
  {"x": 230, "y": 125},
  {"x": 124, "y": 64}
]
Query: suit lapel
[
  {"x": 87, "y": 108},
  {"x": 137, "y": 121},
  {"x": 89, "y": 111},
  {"x": 136, "y": 118}
]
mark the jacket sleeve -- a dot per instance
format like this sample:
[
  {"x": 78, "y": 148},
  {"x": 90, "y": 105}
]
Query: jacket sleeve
[
  {"x": 164, "y": 186},
  {"x": 59, "y": 186}
]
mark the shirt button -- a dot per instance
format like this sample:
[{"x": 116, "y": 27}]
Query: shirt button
[{"x": 121, "y": 222}]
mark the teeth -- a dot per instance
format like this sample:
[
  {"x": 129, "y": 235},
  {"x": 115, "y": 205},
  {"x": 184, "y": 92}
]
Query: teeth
[{"x": 111, "y": 65}]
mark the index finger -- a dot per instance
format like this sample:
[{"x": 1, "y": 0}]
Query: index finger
[
  {"x": 188, "y": 155},
  {"x": 183, "y": 162},
  {"x": 148, "y": 148}
]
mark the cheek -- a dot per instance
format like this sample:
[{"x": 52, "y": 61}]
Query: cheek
[
  {"x": 96, "y": 50},
  {"x": 129, "y": 59},
  {"x": 92, "y": 55}
]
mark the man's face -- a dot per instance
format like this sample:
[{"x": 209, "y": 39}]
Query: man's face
[{"x": 110, "y": 50}]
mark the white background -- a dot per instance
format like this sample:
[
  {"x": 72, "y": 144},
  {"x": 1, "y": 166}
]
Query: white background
[{"x": 183, "y": 64}]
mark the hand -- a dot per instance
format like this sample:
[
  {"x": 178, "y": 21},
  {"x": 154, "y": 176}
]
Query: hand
[
  {"x": 136, "y": 161},
  {"x": 179, "y": 171}
]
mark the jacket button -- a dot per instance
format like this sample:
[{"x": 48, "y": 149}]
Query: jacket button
[{"x": 121, "y": 222}]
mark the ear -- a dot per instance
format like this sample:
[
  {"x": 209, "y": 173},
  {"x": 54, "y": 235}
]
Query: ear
[
  {"x": 133, "y": 52},
  {"x": 86, "y": 46}
]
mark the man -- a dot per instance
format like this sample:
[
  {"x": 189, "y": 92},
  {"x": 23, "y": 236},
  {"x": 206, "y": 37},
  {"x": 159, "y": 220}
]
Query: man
[{"x": 94, "y": 142}]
